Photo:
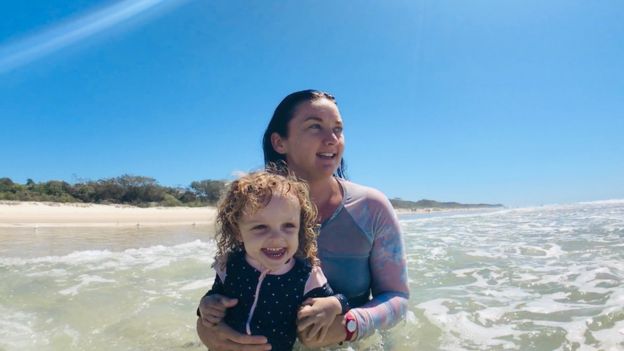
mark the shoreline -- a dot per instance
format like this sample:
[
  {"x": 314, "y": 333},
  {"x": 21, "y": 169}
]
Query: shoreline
[
  {"x": 31, "y": 214},
  {"x": 428, "y": 210},
  {"x": 35, "y": 214}
]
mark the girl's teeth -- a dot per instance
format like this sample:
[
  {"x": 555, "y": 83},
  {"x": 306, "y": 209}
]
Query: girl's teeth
[{"x": 274, "y": 252}]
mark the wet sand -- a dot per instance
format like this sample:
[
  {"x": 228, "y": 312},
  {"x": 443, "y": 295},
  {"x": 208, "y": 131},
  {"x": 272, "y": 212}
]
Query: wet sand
[{"x": 49, "y": 214}]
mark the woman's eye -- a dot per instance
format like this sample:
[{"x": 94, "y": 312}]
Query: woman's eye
[
  {"x": 338, "y": 130},
  {"x": 315, "y": 126}
]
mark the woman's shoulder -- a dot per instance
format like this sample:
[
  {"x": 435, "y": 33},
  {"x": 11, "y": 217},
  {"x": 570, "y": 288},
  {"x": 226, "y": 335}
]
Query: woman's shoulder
[
  {"x": 358, "y": 194},
  {"x": 369, "y": 209}
]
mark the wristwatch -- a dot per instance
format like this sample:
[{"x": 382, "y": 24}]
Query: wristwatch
[{"x": 350, "y": 326}]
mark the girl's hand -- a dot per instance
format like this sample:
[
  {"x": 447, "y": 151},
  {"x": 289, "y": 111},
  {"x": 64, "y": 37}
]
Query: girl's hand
[
  {"x": 212, "y": 309},
  {"x": 316, "y": 316}
]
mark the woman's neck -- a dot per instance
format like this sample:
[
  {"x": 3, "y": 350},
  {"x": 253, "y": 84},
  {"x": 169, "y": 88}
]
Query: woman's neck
[{"x": 326, "y": 195}]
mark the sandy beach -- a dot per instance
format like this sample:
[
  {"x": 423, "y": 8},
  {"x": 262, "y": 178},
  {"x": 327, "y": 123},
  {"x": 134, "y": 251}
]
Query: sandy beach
[
  {"x": 52, "y": 214},
  {"x": 49, "y": 214}
]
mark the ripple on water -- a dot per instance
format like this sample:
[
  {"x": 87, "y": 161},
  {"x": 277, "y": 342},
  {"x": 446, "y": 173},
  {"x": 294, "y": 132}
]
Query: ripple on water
[
  {"x": 536, "y": 278},
  {"x": 546, "y": 278}
]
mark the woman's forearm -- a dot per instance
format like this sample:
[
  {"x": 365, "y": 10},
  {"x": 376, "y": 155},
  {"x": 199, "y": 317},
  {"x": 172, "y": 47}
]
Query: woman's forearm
[
  {"x": 222, "y": 337},
  {"x": 382, "y": 312},
  {"x": 204, "y": 333}
]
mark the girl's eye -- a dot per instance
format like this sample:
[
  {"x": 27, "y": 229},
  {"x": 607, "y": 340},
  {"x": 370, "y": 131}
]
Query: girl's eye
[
  {"x": 259, "y": 227},
  {"x": 290, "y": 225}
]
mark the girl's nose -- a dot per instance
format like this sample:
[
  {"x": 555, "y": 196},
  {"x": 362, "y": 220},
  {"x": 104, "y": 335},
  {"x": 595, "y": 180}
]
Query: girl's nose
[{"x": 275, "y": 234}]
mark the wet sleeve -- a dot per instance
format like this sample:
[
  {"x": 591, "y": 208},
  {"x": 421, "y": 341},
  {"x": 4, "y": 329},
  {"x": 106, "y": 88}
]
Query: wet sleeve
[
  {"x": 317, "y": 285},
  {"x": 221, "y": 270},
  {"x": 217, "y": 287},
  {"x": 388, "y": 267}
]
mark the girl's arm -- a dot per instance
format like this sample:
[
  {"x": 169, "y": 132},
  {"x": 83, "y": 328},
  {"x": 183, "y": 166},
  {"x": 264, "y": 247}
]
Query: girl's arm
[
  {"x": 213, "y": 305},
  {"x": 319, "y": 308}
]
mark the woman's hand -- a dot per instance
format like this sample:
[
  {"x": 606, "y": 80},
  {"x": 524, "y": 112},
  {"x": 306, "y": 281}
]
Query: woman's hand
[
  {"x": 335, "y": 334},
  {"x": 316, "y": 317},
  {"x": 221, "y": 337},
  {"x": 217, "y": 335},
  {"x": 212, "y": 308}
]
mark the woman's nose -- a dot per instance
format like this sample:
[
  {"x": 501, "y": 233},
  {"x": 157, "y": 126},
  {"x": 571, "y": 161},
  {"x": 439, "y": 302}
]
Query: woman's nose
[{"x": 330, "y": 138}]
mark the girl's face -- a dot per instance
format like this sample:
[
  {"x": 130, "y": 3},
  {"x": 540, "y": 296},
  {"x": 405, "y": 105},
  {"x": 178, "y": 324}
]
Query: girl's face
[
  {"x": 271, "y": 234},
  {"x": 315, "y": 141}
]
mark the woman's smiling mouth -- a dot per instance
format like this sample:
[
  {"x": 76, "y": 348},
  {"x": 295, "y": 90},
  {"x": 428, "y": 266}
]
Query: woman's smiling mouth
[{"x": 326, "y": 155}]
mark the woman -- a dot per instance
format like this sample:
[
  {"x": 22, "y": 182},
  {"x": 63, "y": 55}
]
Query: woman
[{"x": 360, "y": 244}]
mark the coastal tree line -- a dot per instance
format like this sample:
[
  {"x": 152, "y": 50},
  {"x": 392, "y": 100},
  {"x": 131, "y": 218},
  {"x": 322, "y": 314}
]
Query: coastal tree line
[
  {"x": 145, "y": 192},
  {"x": 432, "y": 204},
  {"x": 126, "y": 189}
]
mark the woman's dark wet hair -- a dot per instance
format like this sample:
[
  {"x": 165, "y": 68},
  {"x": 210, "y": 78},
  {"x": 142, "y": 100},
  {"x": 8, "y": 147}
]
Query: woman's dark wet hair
[{"x": 279, "y": 124}]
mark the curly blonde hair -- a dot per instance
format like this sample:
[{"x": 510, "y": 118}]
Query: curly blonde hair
[{"x": 253, "y": 192}]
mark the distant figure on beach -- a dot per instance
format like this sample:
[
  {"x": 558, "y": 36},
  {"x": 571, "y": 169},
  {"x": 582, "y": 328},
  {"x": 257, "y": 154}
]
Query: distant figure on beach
[
  {"x": 266, "y": 259},
  {"x": 360, "y": 244}
]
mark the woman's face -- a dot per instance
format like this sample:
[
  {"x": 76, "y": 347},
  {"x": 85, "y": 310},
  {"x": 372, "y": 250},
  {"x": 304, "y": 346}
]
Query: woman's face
[{"x": 315, "y": 141}]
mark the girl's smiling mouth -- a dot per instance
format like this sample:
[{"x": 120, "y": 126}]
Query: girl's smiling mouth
[{"x": 274, "y": 253}]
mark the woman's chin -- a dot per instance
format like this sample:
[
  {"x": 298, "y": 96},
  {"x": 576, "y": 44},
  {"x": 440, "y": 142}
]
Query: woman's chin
[
  {"x": 320, "y": 176},
  {"x": 326, "y": 170}
]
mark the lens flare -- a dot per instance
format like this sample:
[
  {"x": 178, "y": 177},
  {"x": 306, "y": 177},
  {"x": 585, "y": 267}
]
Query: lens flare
[{"x": 21, "y": 52}]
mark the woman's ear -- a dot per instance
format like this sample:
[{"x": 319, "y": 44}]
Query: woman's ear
[{"x": 278, "y": 143}]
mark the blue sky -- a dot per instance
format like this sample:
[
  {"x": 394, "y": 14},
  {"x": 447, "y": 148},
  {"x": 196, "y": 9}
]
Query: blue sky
[{"x": 513, "y": 102}]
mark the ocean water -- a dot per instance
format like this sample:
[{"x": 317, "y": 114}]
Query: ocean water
[{"x": 545, "y": 278}]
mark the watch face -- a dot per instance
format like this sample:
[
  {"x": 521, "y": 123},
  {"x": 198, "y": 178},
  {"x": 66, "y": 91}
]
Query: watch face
[{"x": 351, "y": 326}]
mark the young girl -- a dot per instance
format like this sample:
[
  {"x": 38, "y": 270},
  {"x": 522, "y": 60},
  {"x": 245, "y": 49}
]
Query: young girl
[{"x": 266, "y": 258}]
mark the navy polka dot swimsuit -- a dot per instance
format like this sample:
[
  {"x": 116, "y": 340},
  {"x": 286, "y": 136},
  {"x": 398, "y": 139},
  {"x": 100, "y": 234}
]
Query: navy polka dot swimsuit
[{"x": 279, "y": 298}]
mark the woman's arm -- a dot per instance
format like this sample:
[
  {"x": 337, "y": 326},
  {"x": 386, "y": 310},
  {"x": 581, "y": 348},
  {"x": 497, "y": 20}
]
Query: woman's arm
[
  {"x": 222, "y": 337},
  {"x": 382, "y": 312},
  {"x": 388, "y": 266}
]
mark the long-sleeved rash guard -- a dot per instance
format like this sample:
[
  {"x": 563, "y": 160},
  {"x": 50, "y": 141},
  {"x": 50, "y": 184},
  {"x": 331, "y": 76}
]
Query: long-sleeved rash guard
[{"x": 362, "y": 254}]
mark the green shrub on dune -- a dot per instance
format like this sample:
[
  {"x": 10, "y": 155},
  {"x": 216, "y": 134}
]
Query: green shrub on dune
[{"x": 126, "y": 189}]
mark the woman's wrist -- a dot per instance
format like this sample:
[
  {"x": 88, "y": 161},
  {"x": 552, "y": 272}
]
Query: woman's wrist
[{"x": 350, "y": 324}]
